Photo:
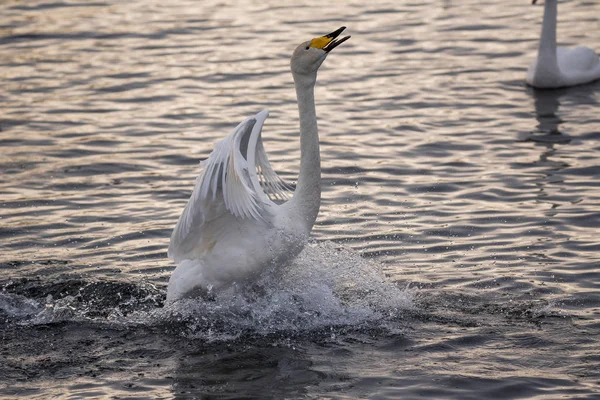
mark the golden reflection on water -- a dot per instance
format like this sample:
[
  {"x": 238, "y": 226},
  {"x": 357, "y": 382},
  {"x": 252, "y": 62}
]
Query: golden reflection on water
[
  {"x": 108, "y": 107},
  {"x": 437, "y": 160}
]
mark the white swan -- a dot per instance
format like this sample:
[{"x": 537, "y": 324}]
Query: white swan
[
  {"x": 230, "y": 229},
  {"x": 559, "y": 67}
]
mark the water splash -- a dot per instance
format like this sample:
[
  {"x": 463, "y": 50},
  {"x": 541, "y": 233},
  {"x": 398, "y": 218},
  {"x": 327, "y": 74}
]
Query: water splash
[
  {"x": 327, "y": 286},
  {"x": 17, "y": 307}
]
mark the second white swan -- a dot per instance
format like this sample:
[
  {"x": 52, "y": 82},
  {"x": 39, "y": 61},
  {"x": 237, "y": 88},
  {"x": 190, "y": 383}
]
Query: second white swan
[
  {"x": 557, "y": 67},
  {"x": 230, "y": 229}
]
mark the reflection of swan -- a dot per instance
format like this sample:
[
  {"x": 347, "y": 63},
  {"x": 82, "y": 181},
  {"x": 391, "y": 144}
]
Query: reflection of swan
[
  {"x": 261, "y": 370},
  {"x": 546, "y": 109},
  {"x": 558, "y": 67},
  {"x": 230, "y": 229},
  {"x": 547, "y": 104},
  {"x": 550, "y": 134}
]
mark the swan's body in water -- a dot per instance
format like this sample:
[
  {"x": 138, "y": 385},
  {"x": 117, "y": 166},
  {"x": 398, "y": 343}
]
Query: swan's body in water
[
  {"x": 230, "y": 230},
  {"x": 557, "y": 67}
]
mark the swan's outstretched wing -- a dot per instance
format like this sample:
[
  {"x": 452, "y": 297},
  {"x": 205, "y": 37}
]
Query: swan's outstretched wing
[
  {"x": 229, "y": 187},
  {"x": 265, "y": 179}
]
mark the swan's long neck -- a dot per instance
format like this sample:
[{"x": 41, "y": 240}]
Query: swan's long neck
[
  {"x": 307, "y": 197},
  {"x": 547, "y": 61}
]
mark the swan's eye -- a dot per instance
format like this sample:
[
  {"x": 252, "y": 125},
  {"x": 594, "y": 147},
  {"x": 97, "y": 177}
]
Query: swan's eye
[{"x": 307, "y": 47}]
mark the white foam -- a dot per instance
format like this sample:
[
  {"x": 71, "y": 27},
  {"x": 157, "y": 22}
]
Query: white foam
[
  {"x": 327, "y": 285},
  {"x": 16, "y": 306}
]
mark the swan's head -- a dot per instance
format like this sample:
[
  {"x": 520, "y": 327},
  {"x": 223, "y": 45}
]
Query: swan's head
[{"x": 309, "y": 56}]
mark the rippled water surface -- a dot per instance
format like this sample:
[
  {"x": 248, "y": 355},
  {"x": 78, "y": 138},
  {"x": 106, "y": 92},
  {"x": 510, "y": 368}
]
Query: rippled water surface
[{"x": 456, "y": 254}]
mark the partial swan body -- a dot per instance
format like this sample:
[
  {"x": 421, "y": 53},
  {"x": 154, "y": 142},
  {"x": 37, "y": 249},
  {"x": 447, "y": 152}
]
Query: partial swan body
[
  {"x": 557, "y": 67},
  {"x": 231, "y": 229}
]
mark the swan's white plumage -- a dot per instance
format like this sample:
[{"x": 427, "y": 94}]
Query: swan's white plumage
[
  {"x": 556, "y": 67},
  {"x": 231, "y": 229},
  {"x": 578, "y": 59},
  {"x": 231, "y": 180}
]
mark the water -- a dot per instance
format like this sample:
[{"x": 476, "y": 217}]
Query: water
[{"x": 455, "y": 255}]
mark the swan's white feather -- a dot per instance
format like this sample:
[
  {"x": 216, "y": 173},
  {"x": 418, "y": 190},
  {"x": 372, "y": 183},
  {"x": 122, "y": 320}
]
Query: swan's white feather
[
  {"x": 228, "y": 186},
  {"x": 576, "y": 66},
  {"x": 578, "y": 59}
]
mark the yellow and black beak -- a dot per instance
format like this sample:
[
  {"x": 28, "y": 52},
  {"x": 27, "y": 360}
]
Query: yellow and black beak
[{"x": 329, "y": 42}]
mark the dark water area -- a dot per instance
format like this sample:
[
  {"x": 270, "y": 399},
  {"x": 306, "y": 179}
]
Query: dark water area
[{"x": 456, "y": 254}]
